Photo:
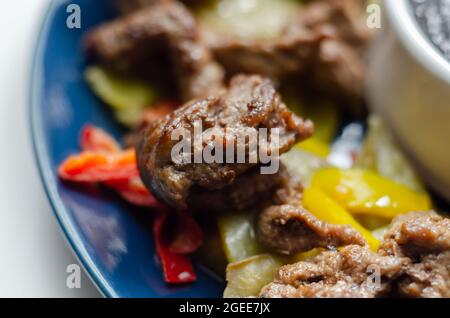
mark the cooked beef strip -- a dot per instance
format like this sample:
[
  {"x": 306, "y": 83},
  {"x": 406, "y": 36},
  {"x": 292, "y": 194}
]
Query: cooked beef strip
[
  {"x": 337, "y": 274},
  {"x": 166, "y": 27},
  {"x": 250, "y": 102},
  {"x": 430, "y": 278},
  {"x": 325, "y": 43},
  {"x": 291, "y": 229},
  {"x": 416, "y": 234},
  {"x": 340, "y": 71},
  {"x": 341, "y": 19},
  {"x": 425, "y": 239},
  {"x": 413, "y": 261},
  {"x": 286, "y": 227},
  {"x": 273, "y": 58}
]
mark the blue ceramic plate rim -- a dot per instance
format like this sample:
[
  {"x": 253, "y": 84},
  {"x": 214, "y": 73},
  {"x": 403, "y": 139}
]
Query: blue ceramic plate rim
[{"x": 44, "y": 167}]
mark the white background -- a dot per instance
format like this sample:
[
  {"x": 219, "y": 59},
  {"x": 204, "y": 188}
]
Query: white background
[{"x": 33, "y": 252}]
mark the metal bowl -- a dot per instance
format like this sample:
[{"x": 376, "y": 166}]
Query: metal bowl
[{"x": 409, "y": 83}]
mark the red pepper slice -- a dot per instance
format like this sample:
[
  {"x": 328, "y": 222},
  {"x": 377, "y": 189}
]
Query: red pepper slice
[
  {"x": 95, "y": 139},
  {"x": 188, "y": 235},
  {"x": 177, "y": 268},
  {"x": 99, "y": 167},
  {"x": 134, "y": 191},
  {"x": 103, "y": 161}
]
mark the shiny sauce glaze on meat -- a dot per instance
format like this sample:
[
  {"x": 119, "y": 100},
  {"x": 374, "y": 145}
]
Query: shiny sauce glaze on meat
[{"x": 249, "y": 102}]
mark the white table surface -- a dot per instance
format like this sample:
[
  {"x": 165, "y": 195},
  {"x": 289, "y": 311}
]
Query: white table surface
[{"x": 33, "y": 252}]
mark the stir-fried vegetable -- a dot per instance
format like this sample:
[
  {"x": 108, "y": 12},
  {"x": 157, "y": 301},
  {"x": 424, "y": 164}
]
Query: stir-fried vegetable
[
  {"x": 103, "y": 161},
  {"x": 364, "y": 192},
  {"x": 99, "y": 166},
  {"x": 325, "y": 209},
  {"x": 95, "y": 139},
  {"x": 188, "y": 235},
  {"x": 176, "y": 235},
  {"x": 238, "y": 236},
  {"x": 127, "y": 97},
  {"x": 239, "y": 17},
  {"x": 133, "y": 191},
  {"x": 380, "y": 153},
  {"x": 246, "y": 278},
  {"x": 177, "y": 268}
]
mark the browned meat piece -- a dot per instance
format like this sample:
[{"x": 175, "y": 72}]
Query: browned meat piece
[
  {"x": 413, "y": 261},
  {"x": 291, "y": 229},
  {"x": 340, "y": 19},
  {"x": 325, "y": 42},
  {"x": 340, "y": 71},
  {"x": 166, "y": 28},
  {"x": 286, "y": 227},
  {"x": 428, "y": 279},
  {"x": 251, "y": 102},
  {"x": 425, "y": 239},
  {"x": 416, "y": 234},
  {"x": 125, "y": 37},
  {"x": 252, "y": 190},
  {"x": 339, "y": 67},
  {"x": 290, "y": 191},
  {"x": 276, "y": 59},
  {"x": 248, "y": 191},
  {"x": 337, "y": 274}
]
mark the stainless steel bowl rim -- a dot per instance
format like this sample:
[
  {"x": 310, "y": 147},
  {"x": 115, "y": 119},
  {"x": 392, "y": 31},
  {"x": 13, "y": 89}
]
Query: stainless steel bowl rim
[{"x": 400, "y": 15}]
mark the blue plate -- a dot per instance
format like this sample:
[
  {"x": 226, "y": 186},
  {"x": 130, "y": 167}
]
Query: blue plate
[{"x": 111, "y": 239}]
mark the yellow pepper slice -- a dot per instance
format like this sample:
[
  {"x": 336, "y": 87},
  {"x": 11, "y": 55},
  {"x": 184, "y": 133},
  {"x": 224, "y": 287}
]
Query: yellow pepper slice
[
  {"x": 365, "y": 192},
  {"x": 326, "y": 209}
]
